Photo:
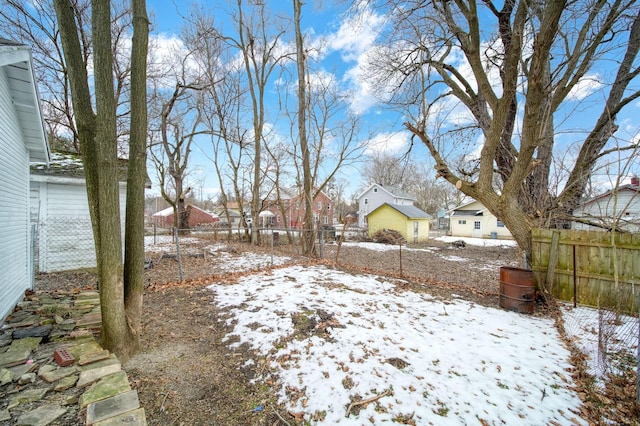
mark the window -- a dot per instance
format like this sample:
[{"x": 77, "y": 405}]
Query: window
[
  {"x": 462, "y": 222},
  {"x": 366, "y": 201},
  {"x": 375, "y": 189},
  {"x": 326, "y": 220},
  {"x": 476, "y": 225},
  {"x": 319, "y": 205},
  {"x": 499, "y": 224},
  {"x": 328, "y": 206}
]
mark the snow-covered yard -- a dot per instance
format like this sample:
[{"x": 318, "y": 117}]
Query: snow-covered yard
[{"x": 420, "y": 359}]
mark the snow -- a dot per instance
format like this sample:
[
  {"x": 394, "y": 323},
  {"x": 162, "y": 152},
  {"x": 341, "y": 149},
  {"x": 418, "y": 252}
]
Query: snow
[
  {"x": 482, "y": 242},
  {"x": 445, "y": 362}
]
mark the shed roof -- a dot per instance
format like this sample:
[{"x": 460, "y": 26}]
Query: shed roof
[
  {"x": 411, "y": 212},
  {"x": 69, "y": 165}
]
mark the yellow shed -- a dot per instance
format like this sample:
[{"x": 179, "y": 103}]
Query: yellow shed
[{"x": 409, "y": 221}]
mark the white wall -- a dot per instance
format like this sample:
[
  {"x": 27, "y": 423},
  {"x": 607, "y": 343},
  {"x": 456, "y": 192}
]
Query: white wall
[
  {"x": 61, "y": 210},
  {"x": 623, "y": 211},
  {"x": 462, "y": 225},
  {"x": 15, "y": 262}
]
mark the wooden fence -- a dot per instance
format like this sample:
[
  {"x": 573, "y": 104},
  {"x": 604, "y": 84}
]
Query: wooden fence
[{"x": 592, "y": 268}]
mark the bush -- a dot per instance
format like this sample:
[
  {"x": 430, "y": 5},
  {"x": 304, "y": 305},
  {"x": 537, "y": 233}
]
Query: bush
[{"x": 388, "y": 236}]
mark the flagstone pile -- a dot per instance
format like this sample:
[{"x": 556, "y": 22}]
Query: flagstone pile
[{"x": 54, "y": 372}]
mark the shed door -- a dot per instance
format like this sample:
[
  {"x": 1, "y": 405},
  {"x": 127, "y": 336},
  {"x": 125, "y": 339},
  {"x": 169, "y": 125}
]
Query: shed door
[
  {"x": 477, "y": 229},
  {"x": 415, "y": 231}
]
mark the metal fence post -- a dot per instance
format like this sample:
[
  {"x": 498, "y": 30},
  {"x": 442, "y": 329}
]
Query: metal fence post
[
  {"x": 400, "y": 257},
  {"x": 175, "y": 233}
]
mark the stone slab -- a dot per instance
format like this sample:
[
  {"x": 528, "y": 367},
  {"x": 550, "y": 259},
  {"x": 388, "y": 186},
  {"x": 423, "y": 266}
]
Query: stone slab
[
  {"x": 88, "y": 295},
  {"x": 90, "y": 321},
  {"x": 4, "y": 415},
  {"x": 56, "y": 374},
  {"x": 41, "y": 416},
  {"x": 111, "y": 407},
  {"x": 88, "y": 377},
  {"x": 6, "y": 376},
  {"x": 28, "y": 343},
  {"x": 109, "y": 361},
  {"x": 21, "y": 369},
  {"x": 90, "y": 358},
  {"x": 86, "y": 347},
  {"x": 40, "y": 331},
  {"x": 27, "y": 396},
  {"x": 13, "y": 358},
  {"x": 24, "y": 323},
  {"x": 66, "y": 383},
  {"x": 132, "y": 418},
  {"x": 106, "y": 387}
]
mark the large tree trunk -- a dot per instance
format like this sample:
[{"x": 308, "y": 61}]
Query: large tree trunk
[
  {"x": 137, "y": 175},
  {"x": 99, "y": 153},
  {"x": 308, "y": 234},
  {"x": 115, "y": 335}
]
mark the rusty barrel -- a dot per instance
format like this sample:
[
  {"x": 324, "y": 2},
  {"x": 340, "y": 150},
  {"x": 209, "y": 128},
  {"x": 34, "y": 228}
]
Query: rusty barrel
[{"x": 517, "y": 289}]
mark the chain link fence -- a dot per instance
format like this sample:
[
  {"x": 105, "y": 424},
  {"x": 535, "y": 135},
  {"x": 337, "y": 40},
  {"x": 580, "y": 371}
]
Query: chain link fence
[
  {"x": 613, "y": 335},
  {"x": 63, "y": 244}
]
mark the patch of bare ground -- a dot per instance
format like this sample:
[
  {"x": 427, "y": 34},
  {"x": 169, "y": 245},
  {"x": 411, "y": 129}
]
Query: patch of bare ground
[{"x": 185, "y": 375}]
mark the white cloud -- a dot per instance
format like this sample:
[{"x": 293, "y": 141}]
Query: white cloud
[
  {"x": 587, "y": 86},
  {"x": 388, "y": 143},
  {"x": 353, "y": 41},
  {"x": 167, "y": 57}
]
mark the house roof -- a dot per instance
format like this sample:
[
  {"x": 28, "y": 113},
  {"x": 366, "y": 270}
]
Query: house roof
[
  {"x": 623, "y": 188},
  {"x": 169, "y": 211},
  {"x": 392, "y": 190},
  {"x": 467, "y": 212},
  {"x": 69, "y": 165},
  {"x": 15, "y": 59},
  {"x": 461, "y": 211},
  {"x": 164, "y": 213},
  {"x": 411, "y": 212}
]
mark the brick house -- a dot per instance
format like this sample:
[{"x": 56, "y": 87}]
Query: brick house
[
  {"x": 197, "y": 216},
  {"x": 294, "y": 210}
]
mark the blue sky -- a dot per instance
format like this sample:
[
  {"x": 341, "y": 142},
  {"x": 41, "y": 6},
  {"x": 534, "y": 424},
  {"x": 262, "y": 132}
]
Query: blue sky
[{"x": 344, "y": 48}]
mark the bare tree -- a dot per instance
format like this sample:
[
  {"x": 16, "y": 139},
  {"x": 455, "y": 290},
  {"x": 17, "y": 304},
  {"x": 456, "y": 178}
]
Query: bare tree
[
  {"x": 35, "y": 24},
  {"x": 325, "y": 130},
  {"x": 510, "y": 85},
  {"x": 179, "y": 121},
  {"x": 223, "y": 108},
  {"x": 257, "y": 40}
]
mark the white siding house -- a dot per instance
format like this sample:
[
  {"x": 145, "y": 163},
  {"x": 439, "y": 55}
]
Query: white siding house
[
  {"x": 22, "y": 139},
  {"x": 618, "y": 208},
  {"x": 60, "y": 214},
  {"x": 376, "y": 195},
  {"x": 474, "y": 220}
]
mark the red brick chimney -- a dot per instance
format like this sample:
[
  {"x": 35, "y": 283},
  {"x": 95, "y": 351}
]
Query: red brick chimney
[{"x": 635, "y": 180}]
